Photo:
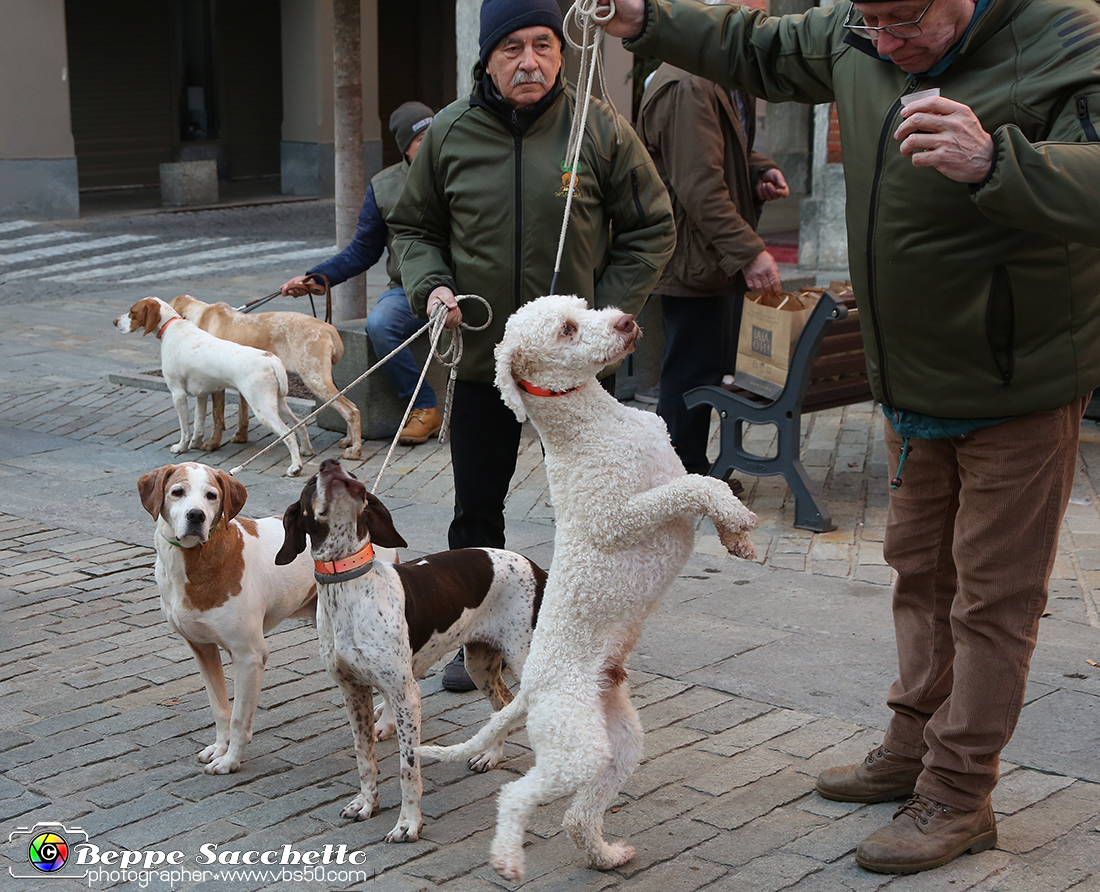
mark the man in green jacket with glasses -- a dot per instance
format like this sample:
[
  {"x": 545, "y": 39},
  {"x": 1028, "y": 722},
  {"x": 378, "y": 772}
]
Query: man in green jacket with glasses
[{"x": 974, "y": 244}]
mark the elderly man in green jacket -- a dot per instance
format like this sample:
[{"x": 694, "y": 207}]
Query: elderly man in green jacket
[
  {"x": 481, "y": 214},
  {"x": 974, "y": 244}
]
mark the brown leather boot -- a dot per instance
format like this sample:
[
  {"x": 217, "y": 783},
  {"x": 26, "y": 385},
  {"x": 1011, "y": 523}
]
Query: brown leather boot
[
  {"x": 880, "y": 777},
  {"x": 926, "y": 834},
  {"x": 422, "y": 424}
]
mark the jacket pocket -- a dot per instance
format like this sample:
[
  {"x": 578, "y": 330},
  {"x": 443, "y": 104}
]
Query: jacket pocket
[{"x": 1000, "y": 323}]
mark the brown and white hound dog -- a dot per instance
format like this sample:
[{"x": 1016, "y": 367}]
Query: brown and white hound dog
[
  {"x": 219, "y": 587},
  {"x": 384, "y": 625}
]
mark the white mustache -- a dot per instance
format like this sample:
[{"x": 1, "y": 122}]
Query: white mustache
[{"x": 528, "y": 77}]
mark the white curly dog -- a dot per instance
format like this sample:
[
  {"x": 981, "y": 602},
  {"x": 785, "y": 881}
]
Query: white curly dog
[{"x": 625, "y": 526}]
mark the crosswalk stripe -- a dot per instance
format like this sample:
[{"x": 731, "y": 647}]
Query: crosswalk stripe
[
  {"x": 93, "y": 263},
  {"x": 13, "y": 225},
  {"x": 201, "y": 269},
  {"x": 26, "y": 241},
  {"x": 126, "y": 272},
  {"x": 74, "y": 248}
]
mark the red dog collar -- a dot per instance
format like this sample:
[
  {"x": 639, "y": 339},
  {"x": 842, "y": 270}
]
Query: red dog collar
[
  {"x": 535, "y": 390},
  {"x": 345, "y": 568},
  {"x": 166, "y": 324}
]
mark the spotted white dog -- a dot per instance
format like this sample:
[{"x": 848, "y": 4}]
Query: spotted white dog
[
  {"x": 624, "y": 527},
  {"x": 383, "y": 625}
]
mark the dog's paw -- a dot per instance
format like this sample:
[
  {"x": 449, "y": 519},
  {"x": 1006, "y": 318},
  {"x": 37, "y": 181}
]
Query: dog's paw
[
  {"x": 353, "y": 453},
  {"x": 488, "y": 760},
  {"x": 360, "y": 808},
  {"x": 510, "y": 865},
  {"x": 215, "y": 751},
  {"x": 239, "y": 437},
  {"x": 293, "y": 470},
  {"x": 613, "y": 855},
  {"x": 738, "y": 544},
  {"x": 226, "y": 764},
  {"x": 307, "y": 449},
  {"x": 211, "y": 445},
  {"x": 405, "y": 831},
  {"x": 177, "y": 448},
  {"x": 384, "y": 725}
]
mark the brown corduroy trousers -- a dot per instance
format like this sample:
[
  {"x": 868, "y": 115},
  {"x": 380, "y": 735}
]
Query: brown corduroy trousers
[{"x": 972, "y": 533}]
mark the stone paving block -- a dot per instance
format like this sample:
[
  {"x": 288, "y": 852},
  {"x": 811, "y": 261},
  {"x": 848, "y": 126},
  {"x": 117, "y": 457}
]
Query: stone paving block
[
  {"x": 1038, "y": 824},
  {"x": 470, "y": 789},
  {"x": 759, "y": 837},
  {"x": 662, "y": 842},
  {"x": 755, "y": 731},
  {"x": 838, "y": 837},
  {"x": 813, "y": 738},
  {"x": 1022, "y": 788},
  {"x": 740, "y": 769},
  {"x": 1069, "y": 863},
  {"x": 634, "y": 816},
  {"x": 772, "y": 872},
  {"x": 745, "y": 804},
  {"x": 671, "y": 739}
]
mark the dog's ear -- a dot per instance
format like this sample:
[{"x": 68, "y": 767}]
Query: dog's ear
[
  {"x": 234, "y": 495},
  {"x": 506, "y": 382},
  {"x": 294, "y": 535},
  {"x": 148, "y": 314},
  {"x": 151, "y": 489},
  {"x": 380, "y": 525}
]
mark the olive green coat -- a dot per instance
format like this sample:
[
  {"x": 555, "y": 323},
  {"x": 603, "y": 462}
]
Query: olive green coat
[
  {"x": 976, "y": 300},
  {"x": 482, "y": 209}
]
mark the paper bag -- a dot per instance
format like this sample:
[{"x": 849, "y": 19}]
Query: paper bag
[{"x": 770, "y": 328}]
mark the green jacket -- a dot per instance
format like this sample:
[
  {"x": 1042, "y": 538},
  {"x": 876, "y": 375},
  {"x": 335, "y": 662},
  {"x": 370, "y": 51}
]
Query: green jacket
[
  {"x": 387, "y": 185},
  {"x": 482, "y": 210},
  {"x": 975, "y": 301}
]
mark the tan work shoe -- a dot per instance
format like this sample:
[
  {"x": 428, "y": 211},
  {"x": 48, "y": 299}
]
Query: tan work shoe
[
  {"x": 926, "y": 834},
  {"x": 880, "y": 777},
  {"x": 422, "y": 424}
]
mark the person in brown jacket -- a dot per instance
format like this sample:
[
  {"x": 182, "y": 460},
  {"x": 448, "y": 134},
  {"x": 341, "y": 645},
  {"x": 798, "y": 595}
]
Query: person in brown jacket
[{"x": 700, "y": 136}]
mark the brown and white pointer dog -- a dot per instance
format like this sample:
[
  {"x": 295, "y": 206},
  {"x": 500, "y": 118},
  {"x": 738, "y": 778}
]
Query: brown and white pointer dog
[{"x": 384, "y": 625}]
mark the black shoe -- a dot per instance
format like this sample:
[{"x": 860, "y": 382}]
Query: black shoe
[{"x": 455, "y": 677}]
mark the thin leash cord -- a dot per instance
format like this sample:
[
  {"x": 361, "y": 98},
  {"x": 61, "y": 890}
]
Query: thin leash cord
[
  {"x": 450, "y": 358},
  {"x": 585, "y": 15},
  {"x": 446, "y": 359}
]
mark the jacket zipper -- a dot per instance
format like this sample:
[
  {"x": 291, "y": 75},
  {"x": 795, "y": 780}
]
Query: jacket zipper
[
  {"x": 1086, "y": 121},
  {"x": 637, "y": 199},
  {"x": 517, "y": 275},
  {"x": 876, "y": 324}
]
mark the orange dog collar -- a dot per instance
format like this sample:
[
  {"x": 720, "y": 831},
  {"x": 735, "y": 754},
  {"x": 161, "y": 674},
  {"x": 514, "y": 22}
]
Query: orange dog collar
[
  {"x": 351, "y": 567},
  {"x": 535, "y": 390}
]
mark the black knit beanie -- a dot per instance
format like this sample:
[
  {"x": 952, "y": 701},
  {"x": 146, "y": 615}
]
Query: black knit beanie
[
  {"x": 408, "y": 120},
  {"x": 499, "y": 18}
]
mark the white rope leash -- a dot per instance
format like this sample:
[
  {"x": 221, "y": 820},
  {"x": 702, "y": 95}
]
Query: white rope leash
[
  {"x": 450, "y": 358},
  {"x": 590, "y": 19}
]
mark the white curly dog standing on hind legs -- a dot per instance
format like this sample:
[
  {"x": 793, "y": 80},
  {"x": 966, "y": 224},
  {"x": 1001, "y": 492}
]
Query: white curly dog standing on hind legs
[{"x": 625, "y": 527}]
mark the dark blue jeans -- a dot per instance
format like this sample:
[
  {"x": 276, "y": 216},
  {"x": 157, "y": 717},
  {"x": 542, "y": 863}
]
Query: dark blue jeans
[
  {"x": 389, "y": 324},
  {"x": 700, "y": 347}
]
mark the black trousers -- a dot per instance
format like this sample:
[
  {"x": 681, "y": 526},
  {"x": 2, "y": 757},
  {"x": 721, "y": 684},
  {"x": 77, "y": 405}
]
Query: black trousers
[
  {"x": 700, "y": 347},
  {"x": 484, "y": 446}
]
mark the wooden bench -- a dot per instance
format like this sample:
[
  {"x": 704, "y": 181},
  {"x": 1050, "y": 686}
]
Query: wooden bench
[{"x": 827, "y": 369}]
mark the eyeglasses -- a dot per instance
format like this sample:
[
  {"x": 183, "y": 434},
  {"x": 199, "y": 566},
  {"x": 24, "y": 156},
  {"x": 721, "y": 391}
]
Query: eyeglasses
[{"x": 902, "y": 30}]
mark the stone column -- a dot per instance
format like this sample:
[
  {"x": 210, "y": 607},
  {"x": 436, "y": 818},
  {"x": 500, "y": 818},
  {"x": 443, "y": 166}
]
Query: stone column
[
  {"x": 38, "y": 177},
  {"x": 823, "y": 234},
  {"x": 307, "y": 146}
]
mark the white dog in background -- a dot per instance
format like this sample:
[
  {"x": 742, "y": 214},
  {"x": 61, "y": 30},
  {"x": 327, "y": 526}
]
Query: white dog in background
[
  {"x": 625, "y": 517},
  {"x": 195, "y": 362}
]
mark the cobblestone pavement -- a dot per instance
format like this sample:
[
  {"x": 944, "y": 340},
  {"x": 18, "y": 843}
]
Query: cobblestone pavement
[{"x": 750, "y": 679}]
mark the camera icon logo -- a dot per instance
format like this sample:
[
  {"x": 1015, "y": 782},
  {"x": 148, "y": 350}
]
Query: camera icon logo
[{"x": 49, "y": 845}]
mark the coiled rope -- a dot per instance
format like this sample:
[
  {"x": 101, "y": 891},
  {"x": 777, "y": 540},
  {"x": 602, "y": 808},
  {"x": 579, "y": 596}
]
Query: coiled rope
[
  {"x": 449, "y": 357},
  {"x": 590, "y": 19}
]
